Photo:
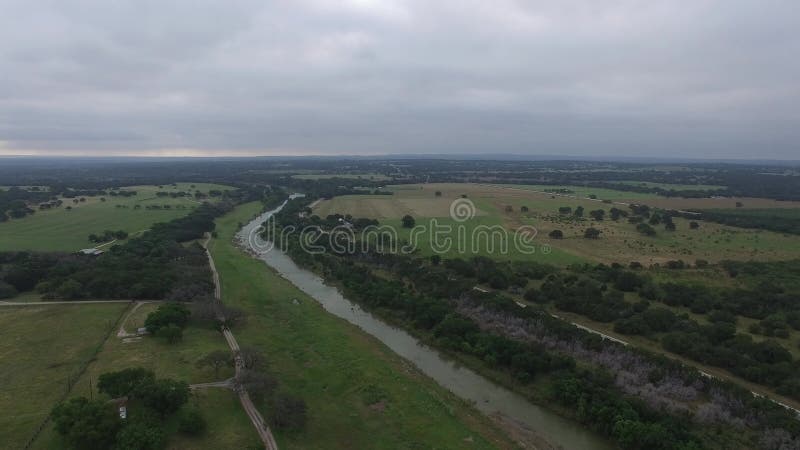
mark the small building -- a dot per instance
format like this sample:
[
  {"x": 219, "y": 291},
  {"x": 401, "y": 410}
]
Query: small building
[{"x": 91, "y": 252}]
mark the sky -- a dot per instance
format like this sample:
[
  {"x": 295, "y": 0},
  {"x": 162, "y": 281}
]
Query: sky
[{"x": 647, "y": 78}]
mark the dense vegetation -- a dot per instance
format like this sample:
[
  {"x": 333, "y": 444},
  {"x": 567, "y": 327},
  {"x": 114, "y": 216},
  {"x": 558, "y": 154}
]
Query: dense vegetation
[
  {"x": 641, "y": 400},
  {"x": 154, "y": 266},
  {"x": 782, "y": 220}
]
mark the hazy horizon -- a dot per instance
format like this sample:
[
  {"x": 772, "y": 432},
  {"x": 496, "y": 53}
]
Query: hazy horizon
[{"x": 707, "y": 80}]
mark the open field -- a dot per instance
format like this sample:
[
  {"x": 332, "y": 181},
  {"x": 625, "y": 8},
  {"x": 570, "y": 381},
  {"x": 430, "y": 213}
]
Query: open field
[
  {"x": 60, "y": 229},
  {"x": 331, "y": 364},
  {"x": 42, "y": 347},
  {"x": 619, "y": 241},
  {"x": 352, "y": 176},
  {"x": 228, "y": 425}
]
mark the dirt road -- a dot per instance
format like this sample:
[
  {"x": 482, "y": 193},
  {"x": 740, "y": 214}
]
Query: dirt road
[{"x": 255, "y": 417}]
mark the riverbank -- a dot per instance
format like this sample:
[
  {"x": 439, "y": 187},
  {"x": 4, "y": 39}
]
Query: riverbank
[{"x": 359, "y": 393}]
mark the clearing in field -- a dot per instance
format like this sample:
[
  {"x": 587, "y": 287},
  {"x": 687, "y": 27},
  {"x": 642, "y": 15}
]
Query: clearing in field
[
  {"x": 43, "y": 347},
  {"x": 619, "y": 241},
  {"x": 62, "y": 229}
]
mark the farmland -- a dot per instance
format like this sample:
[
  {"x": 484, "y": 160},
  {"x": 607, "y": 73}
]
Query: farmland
[
  {"x": 62, "y": 229},
  {"x": 619, "y": 241},
  {"x": 44, "y": 347},
  {"x": 227, "y": 422}
]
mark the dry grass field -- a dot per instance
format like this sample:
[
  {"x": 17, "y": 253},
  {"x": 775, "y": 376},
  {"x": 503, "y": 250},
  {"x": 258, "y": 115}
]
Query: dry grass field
[{"x": 619, "y": 241}]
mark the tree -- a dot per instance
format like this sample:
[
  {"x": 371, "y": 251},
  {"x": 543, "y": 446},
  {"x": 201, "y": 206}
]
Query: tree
[
  {"x": 216, "y": 360},
  {"x": 258, "y": 384},
  {"x": 578, "y": 212},
  {"x": 438, "y": 193},
  {"x": 70, "y": 290},
  {"x": 565, "y": 210},
  {"x": 124, "y": 382},
  {"x": 164, "y": 396},
  {"x": 436, "y": 259},
  {"x": 252, "y": 358},
  {"x": 556, "y": 234},
  {"x": 288, "y": 412},
  {"x": 524, "y": 209},
  {"x": 598, "y": 214},
  {"x": 646, "y": 229},
  {"x": 509, "y": 208},
  {"x": 694, "y": 225},
  {"x": 7, "y": 290},
  {"x": 669, "y": 226},
  {"x": 86, "y": 424},
  {"x": 408, "y": 221},
  {"x": 168, "y": 313},
  {"x": 170, "y": 333},
  {"x": 591, "y": 233},
  {"x": 141, "y": 435}
]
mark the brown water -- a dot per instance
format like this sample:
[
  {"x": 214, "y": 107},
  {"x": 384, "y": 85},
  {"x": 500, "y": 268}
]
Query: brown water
[{"x": 488, "y": 397}]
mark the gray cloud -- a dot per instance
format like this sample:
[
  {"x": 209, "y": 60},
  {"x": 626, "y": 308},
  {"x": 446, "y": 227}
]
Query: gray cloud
[{"x": 713, "y": 78}]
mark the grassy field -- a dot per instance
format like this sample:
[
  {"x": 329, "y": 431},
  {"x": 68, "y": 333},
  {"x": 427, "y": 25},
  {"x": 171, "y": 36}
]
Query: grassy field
[
  {"x": 228, "y": 425},
  {"x": 68, "y": 230},
  {"x": 619, "y": 241},
  {"x": 331, "y": 364},
  {"x": 42, "y": 347}
]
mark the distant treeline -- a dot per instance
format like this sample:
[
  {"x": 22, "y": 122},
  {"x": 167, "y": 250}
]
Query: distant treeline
[{"x": 781, "y": 220}]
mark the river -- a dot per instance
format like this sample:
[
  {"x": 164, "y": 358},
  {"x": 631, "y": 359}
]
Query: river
[{"x": 488, "y": 397}]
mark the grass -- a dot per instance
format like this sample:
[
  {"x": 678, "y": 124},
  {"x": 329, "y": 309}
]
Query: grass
[
  {"x": 68, "y": 230},
  {"x": 228, "y": 425},
  {"x": 42, "y": 347},
  {"x": 337, "y": 368},
  {"x": 619, "y": 241},
  {"x": 585, "y": 192}
]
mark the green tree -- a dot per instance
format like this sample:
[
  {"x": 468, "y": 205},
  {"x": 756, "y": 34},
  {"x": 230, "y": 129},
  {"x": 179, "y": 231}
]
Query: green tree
[
  {"x": 408, "y": 221},
  {"x": 168, "y": 313},
  {"x": 86, "y": 424},
  {"x": 556, "y": 234},
  {"x": 170, "y": 333},
  {"x": 164, "y": 396},
  {"x": 141, "y": 435},
  {"x": 591, "y": 233},
  {"x": 124, "y": 382}
]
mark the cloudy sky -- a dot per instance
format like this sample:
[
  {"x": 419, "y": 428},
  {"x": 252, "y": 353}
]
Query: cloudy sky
[{"x": 696, "y": 78}]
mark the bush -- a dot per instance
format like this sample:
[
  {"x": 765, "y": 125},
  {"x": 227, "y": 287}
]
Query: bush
[{"x": 7, "y": 290}]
